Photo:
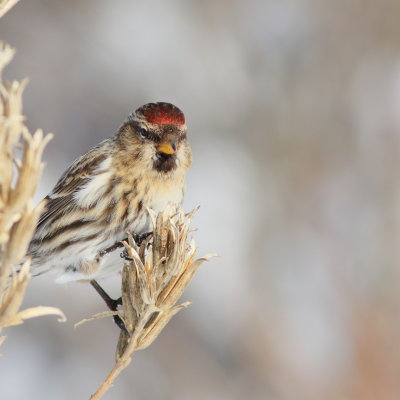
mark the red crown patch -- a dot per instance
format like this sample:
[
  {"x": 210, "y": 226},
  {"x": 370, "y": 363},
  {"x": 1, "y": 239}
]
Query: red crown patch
[{"x": 162, "y": 113}]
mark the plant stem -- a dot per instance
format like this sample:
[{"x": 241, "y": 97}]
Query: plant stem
[{"x": 124, "y": 360}]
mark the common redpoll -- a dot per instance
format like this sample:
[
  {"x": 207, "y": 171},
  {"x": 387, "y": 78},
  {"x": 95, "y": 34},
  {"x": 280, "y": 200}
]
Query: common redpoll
[{"x": 107, "y": 191}]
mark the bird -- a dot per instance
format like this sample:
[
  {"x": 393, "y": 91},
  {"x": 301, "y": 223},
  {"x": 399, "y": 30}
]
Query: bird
[{"x": 107, "y": 192}]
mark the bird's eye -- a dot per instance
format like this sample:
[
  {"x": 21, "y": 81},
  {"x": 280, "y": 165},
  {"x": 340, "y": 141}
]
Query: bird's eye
[{"x": 143, "y": 133}]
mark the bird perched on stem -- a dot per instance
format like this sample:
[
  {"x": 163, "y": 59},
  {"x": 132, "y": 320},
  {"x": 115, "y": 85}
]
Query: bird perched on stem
[{"x": 106, "y": 192}]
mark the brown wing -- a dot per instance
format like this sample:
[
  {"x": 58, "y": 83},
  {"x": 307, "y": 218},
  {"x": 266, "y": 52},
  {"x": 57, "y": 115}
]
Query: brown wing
[
  {"x": 54, "y": 207},
  {"x": 61, "y": 198}
]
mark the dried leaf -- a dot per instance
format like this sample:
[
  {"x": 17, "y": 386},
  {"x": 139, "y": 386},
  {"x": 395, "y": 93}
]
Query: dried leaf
[
  {"x": 151, "y": 333},
  {"x": 33, "y": 312},
  {"x": 104, "y": 314}
]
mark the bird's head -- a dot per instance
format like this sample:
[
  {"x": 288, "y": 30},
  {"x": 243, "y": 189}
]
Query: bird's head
[{"x": 155, "y": 136}]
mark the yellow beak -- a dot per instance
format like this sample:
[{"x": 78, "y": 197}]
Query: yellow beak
[{"x": 166, "y": 148}]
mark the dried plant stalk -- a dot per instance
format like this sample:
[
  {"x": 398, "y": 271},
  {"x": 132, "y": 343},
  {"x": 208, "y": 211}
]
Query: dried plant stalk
[
  {"x": 6, "y": 5},
  {"x": 18, "y": 182},
  {"x": 152, "y": 283}
]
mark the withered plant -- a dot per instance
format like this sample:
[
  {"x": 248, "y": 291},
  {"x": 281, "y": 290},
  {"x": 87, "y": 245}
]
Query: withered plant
[
  {"x": 19, "y": 178},
  {"x": 152, "y": 283}
]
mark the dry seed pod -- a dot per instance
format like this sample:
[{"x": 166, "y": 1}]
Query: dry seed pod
[{"x": 152, "y": 284}]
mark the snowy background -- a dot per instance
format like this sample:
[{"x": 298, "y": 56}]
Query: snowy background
[{"x": 293, "y": 110}]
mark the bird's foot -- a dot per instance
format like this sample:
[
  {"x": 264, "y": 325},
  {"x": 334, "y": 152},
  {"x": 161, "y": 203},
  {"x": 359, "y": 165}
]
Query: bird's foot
[
  {"x": 111, "y": 303},
  {"x": 139, "y": 238},
  {"x": 110, "y": 249},
  {"x": 125, "y": 256}
]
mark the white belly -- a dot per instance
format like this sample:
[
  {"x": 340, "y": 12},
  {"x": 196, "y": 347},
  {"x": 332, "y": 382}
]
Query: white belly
[{"x": 69, "y": 261}]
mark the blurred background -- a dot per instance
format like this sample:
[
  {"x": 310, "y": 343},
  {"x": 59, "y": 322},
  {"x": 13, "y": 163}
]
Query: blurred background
[{"x": 293, "y": 110}]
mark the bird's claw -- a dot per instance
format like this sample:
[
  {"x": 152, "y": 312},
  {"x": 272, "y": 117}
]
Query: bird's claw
[
  {"x": 139, "y": 238},
  {"x": 120, "y": 323},
  {"x": 125, "y": 256},
  {"x": 112, "y": 304}
]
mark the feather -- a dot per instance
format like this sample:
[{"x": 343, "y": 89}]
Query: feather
[{"x": 61, "y": 199}]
